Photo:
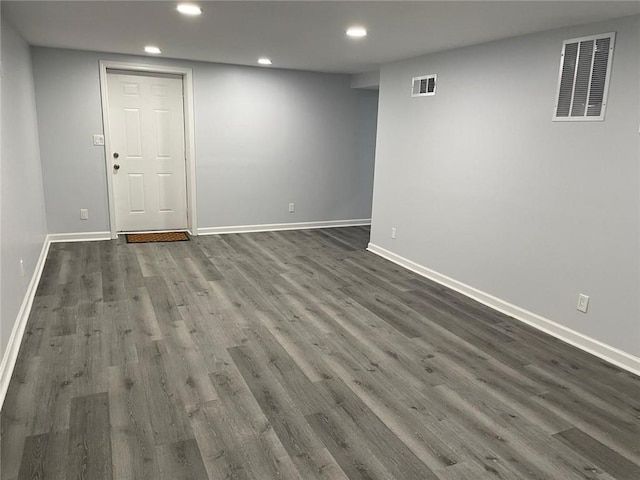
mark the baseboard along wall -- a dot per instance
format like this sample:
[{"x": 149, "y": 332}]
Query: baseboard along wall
[
  {"x": 10, "y": 355},
  {"x": 606, "y": 352},
  {"x": 283, "y": 226},
  {"x": 17, "y": 332},
  {"x": 78, "y": 237}
]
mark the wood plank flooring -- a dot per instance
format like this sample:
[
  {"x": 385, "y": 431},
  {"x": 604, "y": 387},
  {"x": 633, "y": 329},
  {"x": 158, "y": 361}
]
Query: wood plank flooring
[{"x": 296, "y": 355}]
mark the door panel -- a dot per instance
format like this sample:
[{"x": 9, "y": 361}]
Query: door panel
[
  {"x": 163, "y": 133},
  {"x": 146, "y": 124},
  {"x": 132, "y": 127},
  {"x": 136, "y": 193},
  {"x": 166, "y": 194}
]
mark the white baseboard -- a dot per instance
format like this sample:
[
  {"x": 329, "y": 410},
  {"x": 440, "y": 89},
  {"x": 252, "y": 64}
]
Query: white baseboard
[
  {"x": 606, "y": 352},
  {"x": 595, "y": 347},
  {"x": 17, "y": 333},
  {"x": 15, "y": 340},
  {"x": 78, "y": 237},
  {"x": 283, "y": 226}
]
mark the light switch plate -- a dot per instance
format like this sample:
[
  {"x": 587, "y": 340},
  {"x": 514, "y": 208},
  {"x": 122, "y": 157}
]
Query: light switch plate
[{"x": 98, "y": 140}]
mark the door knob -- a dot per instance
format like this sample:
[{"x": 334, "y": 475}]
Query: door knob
[
  {"x": 116, "y": 166},
  {"x": 116, "y": 155}
]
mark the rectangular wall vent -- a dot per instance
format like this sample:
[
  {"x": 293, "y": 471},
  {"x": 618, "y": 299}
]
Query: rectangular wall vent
[
  {"x": 423, "y": 85},
  {"x": 583, "y": 81}
]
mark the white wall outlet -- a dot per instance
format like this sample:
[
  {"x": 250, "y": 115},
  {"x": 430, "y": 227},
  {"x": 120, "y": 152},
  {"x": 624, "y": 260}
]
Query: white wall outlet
[
  {"x": 583, "y": 303},
  {"x": 292, "y": 207},
  {"x": 21, "y": 267},
  {"x": 98, "y": 140},
  {"x": 84, "y": 214},
  {"x": 393, "y": 232}
]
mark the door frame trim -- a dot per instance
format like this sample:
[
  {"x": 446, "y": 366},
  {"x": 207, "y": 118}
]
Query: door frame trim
[{"x": 189, "y": 133}]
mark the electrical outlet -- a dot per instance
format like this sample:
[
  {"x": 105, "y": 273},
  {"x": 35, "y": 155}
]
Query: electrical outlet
[
  {"x": 393, "y": 232},
  {"x": 292, "y": 207},
  {"x": 583, "y": 303},
  {"x": 84, "y": 214},
  {"x": 98, "y": 140},
  {"x": 21, "y": 267}
]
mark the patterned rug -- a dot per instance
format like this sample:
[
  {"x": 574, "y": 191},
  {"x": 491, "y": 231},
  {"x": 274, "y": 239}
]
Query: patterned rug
[{"x": 157, "y": 237}]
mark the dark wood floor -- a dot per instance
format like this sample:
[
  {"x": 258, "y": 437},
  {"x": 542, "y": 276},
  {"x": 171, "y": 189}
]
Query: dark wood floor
[{"x": 296, "y": 355}]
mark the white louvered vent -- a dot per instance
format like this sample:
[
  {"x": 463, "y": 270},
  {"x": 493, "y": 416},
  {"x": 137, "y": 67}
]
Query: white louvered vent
[
  {"x": 583, "y": 80},
  {"x": 423, "y": 86}
]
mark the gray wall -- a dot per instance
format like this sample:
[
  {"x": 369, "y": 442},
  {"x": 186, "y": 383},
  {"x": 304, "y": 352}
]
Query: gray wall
[
  {"x": 483, "y": 187},
  {"x": 22, "y": 218},
  {"x": 264, "y": 137}
]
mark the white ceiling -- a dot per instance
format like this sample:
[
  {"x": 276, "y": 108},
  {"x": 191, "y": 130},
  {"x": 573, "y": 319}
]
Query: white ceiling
[{"x": 301, "y": 35}]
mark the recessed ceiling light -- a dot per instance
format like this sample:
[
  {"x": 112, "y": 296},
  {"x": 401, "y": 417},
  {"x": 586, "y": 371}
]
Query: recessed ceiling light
[
  {"x": 152, "y": 49},
  {"x": 357, "y": 32},
  {"x": 189, "y": 9},
  {"x": 264, "y": 61}
]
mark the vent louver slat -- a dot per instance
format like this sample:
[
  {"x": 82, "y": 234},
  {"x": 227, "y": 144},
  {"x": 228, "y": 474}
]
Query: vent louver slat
[
  {"x": 566, "y": 83},
  {"x": 431, "y": 85},
  {"x": 583, "y": 74},
  {"x": 415, "y": 89},
  {"x": 583, "y": 78},
  {"x": 599, "y": 76}
]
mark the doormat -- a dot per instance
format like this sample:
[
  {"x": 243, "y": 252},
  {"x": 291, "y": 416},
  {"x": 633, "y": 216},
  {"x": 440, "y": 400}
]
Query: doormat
[{"x": 157, "y": 237}]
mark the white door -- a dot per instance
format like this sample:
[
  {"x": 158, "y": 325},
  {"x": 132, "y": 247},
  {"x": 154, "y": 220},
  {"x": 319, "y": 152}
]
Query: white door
[{"x": 146, "y": 126}]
